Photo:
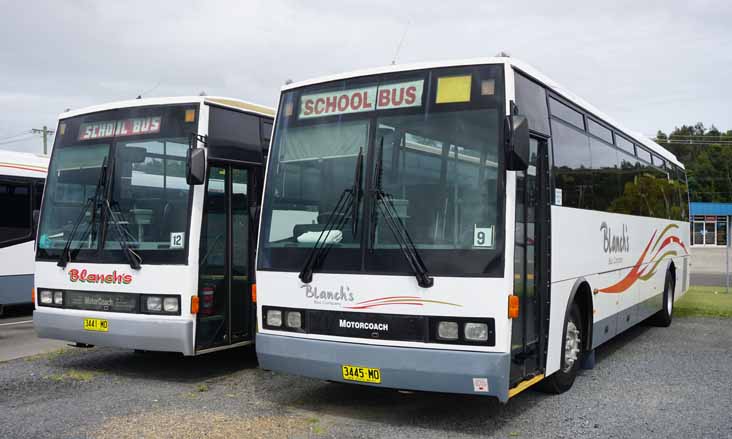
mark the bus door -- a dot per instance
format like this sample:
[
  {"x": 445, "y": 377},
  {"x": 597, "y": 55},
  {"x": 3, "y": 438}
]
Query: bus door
[
  {"x": 531, "y": 261},
  {"x": 226, "y": 257}
]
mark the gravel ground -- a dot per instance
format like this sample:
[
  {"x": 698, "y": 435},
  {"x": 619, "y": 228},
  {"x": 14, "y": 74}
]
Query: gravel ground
[{"x": 648, "y": 383}]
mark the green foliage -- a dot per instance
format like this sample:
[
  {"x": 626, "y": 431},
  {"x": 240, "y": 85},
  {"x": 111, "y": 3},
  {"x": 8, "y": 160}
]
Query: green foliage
[{"x": 707, "y": 155}]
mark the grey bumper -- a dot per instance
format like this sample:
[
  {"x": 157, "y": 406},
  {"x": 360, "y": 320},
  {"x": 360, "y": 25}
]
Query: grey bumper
[
  {"x": 430, "y": 370},
  {"x": 150, "y": 334}
]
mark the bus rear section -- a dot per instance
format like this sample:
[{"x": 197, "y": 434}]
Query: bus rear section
[
  {"x": 417, "y": 233},
  {"x": 22, "y": 176},
  {"x": 148, "y": 225}
]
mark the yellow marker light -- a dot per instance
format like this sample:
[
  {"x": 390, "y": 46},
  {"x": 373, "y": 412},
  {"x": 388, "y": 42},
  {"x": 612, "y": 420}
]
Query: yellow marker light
[
  {"x": 62, "y": 129},
  {"x": 190, "y": 115},
  {"x": 452, "y": 89}
]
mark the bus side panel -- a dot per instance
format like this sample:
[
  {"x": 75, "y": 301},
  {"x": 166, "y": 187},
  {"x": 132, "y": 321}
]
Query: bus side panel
[
  {"x": 16, "y": 273},
  {"x": 560, "y": 297}
]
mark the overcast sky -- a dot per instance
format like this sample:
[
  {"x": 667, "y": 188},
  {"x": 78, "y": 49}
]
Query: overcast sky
[{"x": 648, "y": 64}]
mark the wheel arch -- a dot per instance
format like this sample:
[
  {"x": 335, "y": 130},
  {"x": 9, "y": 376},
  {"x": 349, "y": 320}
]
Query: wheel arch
[{"x": 582, "y": 295}]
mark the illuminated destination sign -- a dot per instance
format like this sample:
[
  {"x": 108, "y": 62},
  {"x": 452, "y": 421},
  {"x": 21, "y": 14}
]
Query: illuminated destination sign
[
  {"x": 357, "y": 100},
  {"x": 120, "y": 128}
]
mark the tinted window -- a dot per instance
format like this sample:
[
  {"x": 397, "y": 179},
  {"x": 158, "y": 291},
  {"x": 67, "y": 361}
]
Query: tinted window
[
  {"x": 15, "y": 222},
  {"x": 566, "y": 113},
  {"x": 599, "y": 131},
  {"x": 234, "y": 127},
  {"x": 643, "y": 154},
  {"x": 658, "y": 161},
  {"x": 605, "y": 175},
  {"x": 531, "y": 101},
  {"x": 572, "y": 165},
  {"x": 624, "y": 143},
  {"x": 647, "y": 191}
]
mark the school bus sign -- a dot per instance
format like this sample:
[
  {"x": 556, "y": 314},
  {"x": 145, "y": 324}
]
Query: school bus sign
[{"x": 357, "y": 100}]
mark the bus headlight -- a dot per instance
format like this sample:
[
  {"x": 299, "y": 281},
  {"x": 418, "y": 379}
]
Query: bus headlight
[
  {"x": 58, "y": 298},
  {"x": 447, "y": 331},
  {"x": 46, "y": 297},
  {"x": 154, "y": 303},
  {"x": 170, "y": 304},
  {"x": 274, "y": 317},
  {"x": 476, "y": 331},
  {"x": 294, "y": 319}
]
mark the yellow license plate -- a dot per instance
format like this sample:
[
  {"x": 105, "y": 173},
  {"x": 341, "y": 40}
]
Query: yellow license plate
[
  {"x": 96, "y": 325},
  {"x": 362, "y": 374}
]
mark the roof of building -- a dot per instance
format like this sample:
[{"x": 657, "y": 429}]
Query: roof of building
[{"x": 700, "y": 208}]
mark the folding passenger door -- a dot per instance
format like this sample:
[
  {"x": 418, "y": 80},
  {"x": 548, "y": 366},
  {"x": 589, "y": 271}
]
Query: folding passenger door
[
  {"x": 531, "y": 261},
  {"x": 225, "y": 259}
]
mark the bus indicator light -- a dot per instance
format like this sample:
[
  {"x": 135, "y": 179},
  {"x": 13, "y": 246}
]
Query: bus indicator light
[
  {"x": 190, "y": 116},
  {"x": 194, "y": 305},
  {"x": 513, "y": 306},
  {"x": 254, "y": 293}
]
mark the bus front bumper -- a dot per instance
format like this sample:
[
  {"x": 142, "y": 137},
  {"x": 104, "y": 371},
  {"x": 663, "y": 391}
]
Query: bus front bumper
[
  {"x": 149, "y": 333},
  {"x": 432, "y": 370}
]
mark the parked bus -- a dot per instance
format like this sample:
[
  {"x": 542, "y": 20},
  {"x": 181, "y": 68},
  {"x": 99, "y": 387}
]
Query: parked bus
[
  {"x": 147, "y": 231},
  {"x": 21, "y": 188},
  {"x": 467, "y": 227}
]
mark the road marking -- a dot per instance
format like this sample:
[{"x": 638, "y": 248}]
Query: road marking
[{"x": 16, "y": 323}]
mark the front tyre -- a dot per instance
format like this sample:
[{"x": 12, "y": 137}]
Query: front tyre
[{"x": 562, "y": 380}]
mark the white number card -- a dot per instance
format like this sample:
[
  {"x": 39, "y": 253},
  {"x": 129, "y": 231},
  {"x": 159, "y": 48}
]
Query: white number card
[
  {"x": 177, "y": 239},
  {"x": 483, "y": 236}
]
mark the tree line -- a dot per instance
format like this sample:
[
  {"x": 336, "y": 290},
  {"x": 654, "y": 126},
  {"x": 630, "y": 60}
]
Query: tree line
[{"x": 707, "y": 155}]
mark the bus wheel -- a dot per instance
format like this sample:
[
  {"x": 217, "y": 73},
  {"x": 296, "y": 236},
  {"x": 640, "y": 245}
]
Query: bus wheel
[
  {"x": 663, "y": 317},
  {"x": 562, "y": 380}
]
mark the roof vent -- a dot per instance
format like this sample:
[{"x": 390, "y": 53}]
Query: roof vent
[{"x": 503, "y": 54}]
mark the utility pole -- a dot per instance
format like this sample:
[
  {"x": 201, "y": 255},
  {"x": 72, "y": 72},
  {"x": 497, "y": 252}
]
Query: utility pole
[{"x": 45, "y": 131}]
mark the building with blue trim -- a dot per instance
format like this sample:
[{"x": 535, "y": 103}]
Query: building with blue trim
[{"x": 710, "y": 223}]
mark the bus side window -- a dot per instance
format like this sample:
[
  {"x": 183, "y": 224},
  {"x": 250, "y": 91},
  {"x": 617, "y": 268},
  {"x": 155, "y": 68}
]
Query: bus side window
[
  {"x": 15, "y": 222},
  {"x": 531, "y": 102},
  {"x": 572, "y": 165}
]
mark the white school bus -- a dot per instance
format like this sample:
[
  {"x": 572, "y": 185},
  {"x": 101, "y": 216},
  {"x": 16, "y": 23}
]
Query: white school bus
[
  {"x": 148, "y": 225},
  {"x": 21, "y": 187},
  {"x": 467, "y": 227}
]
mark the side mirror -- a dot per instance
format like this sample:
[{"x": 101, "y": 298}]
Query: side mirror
[
  {"x": 517, "y": 143},
  {"x": 195, "y": 166}
]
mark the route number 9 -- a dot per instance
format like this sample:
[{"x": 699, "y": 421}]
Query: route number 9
[{"x": 483, "y": 237}]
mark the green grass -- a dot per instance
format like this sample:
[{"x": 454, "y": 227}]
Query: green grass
[{"x": 704, "y": 301}]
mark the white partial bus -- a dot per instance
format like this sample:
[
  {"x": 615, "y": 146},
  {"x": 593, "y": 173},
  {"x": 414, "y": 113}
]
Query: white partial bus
[
  {"x": 21, "y": 188},
  {"x": 148, "y": 226},
  {"x": 467, "y": 227}
]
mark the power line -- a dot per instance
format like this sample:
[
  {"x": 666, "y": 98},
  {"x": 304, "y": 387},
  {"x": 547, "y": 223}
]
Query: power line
[
  {"x": 16, "y": 135},
  {"x": 22, "y": 139}
]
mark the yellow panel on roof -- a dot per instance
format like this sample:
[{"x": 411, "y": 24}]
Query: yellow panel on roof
[{"x": 242, "y": 105}]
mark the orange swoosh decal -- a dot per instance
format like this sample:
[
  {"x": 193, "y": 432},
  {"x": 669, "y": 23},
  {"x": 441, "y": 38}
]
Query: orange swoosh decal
[{"x": 631, "y": 277}]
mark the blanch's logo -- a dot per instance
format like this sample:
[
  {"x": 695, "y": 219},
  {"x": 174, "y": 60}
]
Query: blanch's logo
[
  {"x": 99, "y": 278},
  {"x": 344, "y": 294},
  {"x": 615, "y": 243}
]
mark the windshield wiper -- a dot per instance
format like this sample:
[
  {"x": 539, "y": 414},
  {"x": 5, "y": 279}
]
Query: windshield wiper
[
  {"x": 347, "y": 203},
  {"x": 133, "y": 258},
  {"x": 397, "y": 227},
  {"x": 93, "y": 201}
]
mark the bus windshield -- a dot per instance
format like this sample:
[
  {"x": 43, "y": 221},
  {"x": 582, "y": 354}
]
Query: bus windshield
[
  {"x": 119, "y": 176},
  {"x": 431, "y": 143}
]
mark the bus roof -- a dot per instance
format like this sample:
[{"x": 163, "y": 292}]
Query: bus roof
[
  {"x": 216, "y": 100},
  {"x": 23, "y": 164},
  {"x": 514, "y": 63}
]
